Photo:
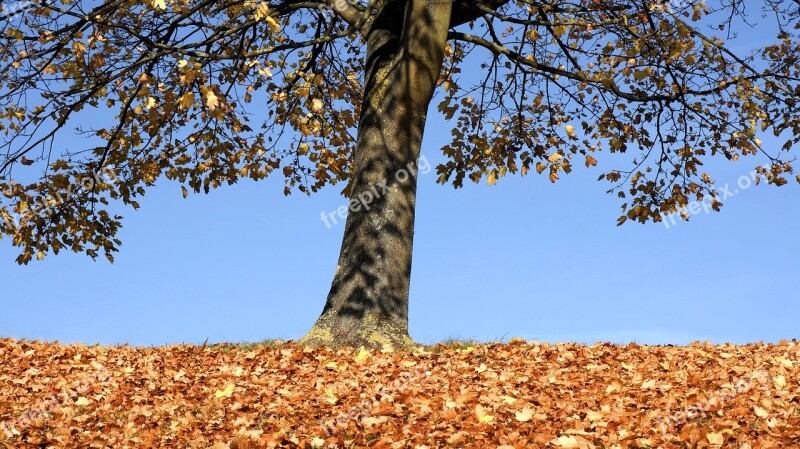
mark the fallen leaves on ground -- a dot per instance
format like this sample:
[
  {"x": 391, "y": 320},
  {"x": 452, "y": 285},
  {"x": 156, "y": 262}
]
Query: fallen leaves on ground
[{"x": 516, "y": 395}]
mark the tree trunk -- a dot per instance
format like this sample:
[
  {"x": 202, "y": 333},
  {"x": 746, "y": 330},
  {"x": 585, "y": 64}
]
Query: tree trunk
[{"x": 368, "y": 301}]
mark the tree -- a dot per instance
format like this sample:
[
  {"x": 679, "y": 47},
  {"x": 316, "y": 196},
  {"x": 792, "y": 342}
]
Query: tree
[{"x": 333, "y": 91}]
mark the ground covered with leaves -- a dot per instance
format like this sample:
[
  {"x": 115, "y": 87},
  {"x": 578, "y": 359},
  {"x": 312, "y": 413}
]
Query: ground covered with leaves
[{"x": 515, "y": 395}]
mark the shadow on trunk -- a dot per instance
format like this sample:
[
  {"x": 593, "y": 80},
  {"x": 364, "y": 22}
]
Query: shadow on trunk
[{"x": 368, "y": 301}]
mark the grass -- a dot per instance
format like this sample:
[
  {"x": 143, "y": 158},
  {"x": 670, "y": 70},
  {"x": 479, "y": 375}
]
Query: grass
[
  {"x": 448, "y": 344},
  {"x": 248, "y": 346},
  {"x": 451, "y": 344}
]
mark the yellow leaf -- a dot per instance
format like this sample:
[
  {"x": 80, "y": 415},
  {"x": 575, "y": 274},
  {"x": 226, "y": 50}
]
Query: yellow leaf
[
  {"x": 82, "y": 402},
  {"x": 211, "y": 99},
  {"x": 649, "y": 384},
  {"x": 760, "y": 412},
  {"x": 492, "y": 178},
  {"x": 783, "y": 361},
  {"x": 525, "y": 415},
  {"x": 225, "y": 392},
  {"x": 555, "y": 157},
  {"x": 40, "y": 255},
  {"x": 262, "y": 11},
  {"x": 508, "y": 399},
  {"x": 273, "y": 24},
  {"x": 483, "y": 417},
  {"x": 330, "y": 397},
  {"x": 362, "y": 355},
  {"x": 592, "y": 416},
  {"x": 566, "y": 441},
  {"x": 570, "y": 131},
  {"x": 159, "y": 4},
  {"x": 715, "y": 438},
  {"x": 186, "y": 100}
]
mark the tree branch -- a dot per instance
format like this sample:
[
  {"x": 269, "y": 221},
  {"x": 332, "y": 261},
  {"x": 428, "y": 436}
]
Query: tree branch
[{"x": 468, "y": 10}]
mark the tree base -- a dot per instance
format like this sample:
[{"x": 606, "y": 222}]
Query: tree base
[{"x": 336, "y": 331}]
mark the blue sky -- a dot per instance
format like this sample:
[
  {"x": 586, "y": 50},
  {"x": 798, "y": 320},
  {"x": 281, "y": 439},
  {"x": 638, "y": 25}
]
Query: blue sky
[{"x": 524, "y": 258}]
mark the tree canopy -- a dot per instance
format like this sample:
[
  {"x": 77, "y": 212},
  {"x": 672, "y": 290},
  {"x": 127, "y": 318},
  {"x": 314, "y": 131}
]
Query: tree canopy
[{"x": 209, "y": 92}]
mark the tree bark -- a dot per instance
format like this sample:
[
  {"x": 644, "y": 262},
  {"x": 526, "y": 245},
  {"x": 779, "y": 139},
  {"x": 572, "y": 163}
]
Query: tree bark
[{"x": 368, "y": 301}]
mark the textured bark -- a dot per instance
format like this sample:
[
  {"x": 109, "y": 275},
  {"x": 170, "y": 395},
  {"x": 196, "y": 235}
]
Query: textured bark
[{"x": 368, "y": 301}]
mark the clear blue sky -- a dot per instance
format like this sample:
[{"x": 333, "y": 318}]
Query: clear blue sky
[{"x": 524, "y": 258}]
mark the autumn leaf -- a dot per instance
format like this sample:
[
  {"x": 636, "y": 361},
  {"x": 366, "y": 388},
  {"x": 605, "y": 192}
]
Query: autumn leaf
[
  {"x": 525, "y": 415},
  {"x": 362, "y": 356},
  {"x": 211, "y": 99},
  {"x": 491, "y": 178},
  {"x": 715, "y": 438},
  {"x": 186, "y": 100},
  {"x": 225, "y": 392},
  {"x": 555, "y": 157},
  {"x": 570, "y": 132},
  {"x": 566, "y": 442},
  {"x": 760, "y": 412},
  {"x": 273, "y": 24},
  {"x": 508, "y": 399},
  {"x": 317, "y": 105},
  {"x": 483, "y": 417}
]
